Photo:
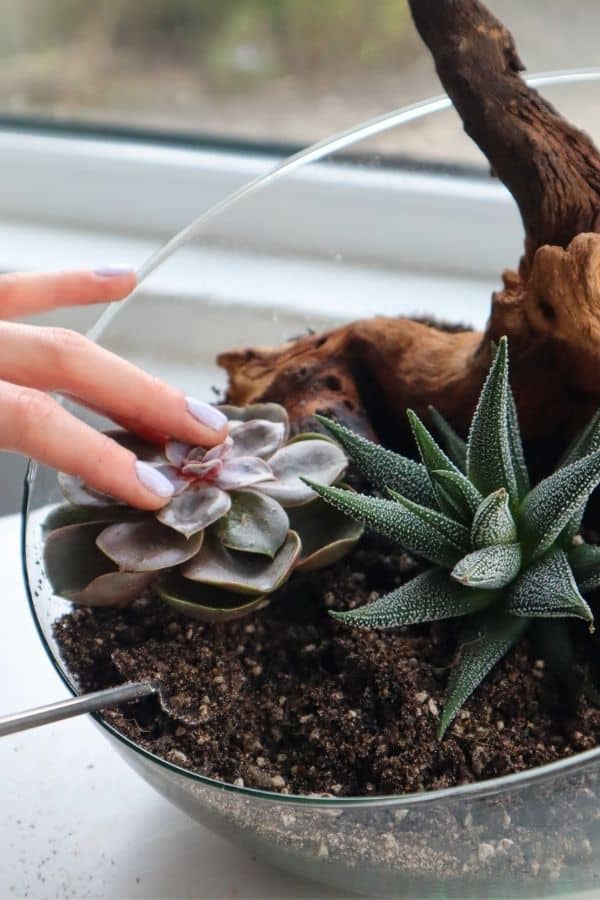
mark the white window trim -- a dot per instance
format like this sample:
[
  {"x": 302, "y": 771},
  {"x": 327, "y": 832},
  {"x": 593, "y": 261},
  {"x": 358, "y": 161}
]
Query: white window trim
[{"x": 391, "y": 218}]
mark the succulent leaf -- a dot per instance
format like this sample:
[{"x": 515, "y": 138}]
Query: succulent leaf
[
  {"x": 312, "y": 459},
  {"x": 204, "y": 602},
  {"x": 490, "y": 567},
  {"x": 586, "y": 442},
  {"x": 383, "y": 468},
  {"x": 196, "y": 509},
  {"x": 397, "y": 522},
  {"x": 254, "y": 524},
  {"x": 584, "y": 560},
  {"x": 258, "y": 437},
  {"x": 180, "y": 484},
  {"x": 516, "y": 448},
  {"x": 456, "y": 448},
  {"x": 311, "y": 436},
  {"x": 77, "y": 570},
  {"x": 272, "y": 412},
  {"x": 493, "y": 522},
  {"x": 456, "y": 495},
  {"x": 426, "y": 598},
  {"x": 433, "y": 457},
  {"x": 243, "y": 471},
  {"x": 116, "y": 589},
  {"x": 72, "y": 559},
  {"x": 176, "y": 452},
  {"x": 551, "y": 504},
  {"x": 489, "y": 454},
  {"x": 326, "y": 534},
  {"x": 76, "y": 492},
  {"x": 147, "y": 546},
  {"x": 244, "y": 573},
  {"x": 548, "y": 589},
  {"x": 486, "y": 639},
  {"x": 454, "y": 532},
  {"x": 66, "y": 514}
]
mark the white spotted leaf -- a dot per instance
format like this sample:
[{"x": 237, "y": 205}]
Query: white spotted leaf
[
  {"x": 395, "y": 521},
  {"x": 426, "y": 598},
  {"x": 551, "y": 504},
  {"x": 383, "y": 468},
  {"x": 489, "y": 568},
  {"x": 486, "y": 639},
  {"x": 456, "y": 495},
  {"x": 493, "y": 522},
  {"x": 584, "y": 560},
  {"x": 516, "y": 447},
  {"x": 456, "y": 448},
  {"x": 489, "y": 452},
  {"x": 547, "y": 589}
]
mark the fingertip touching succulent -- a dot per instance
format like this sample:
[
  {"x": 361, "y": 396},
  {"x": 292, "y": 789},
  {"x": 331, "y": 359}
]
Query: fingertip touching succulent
[
  {"x": 241, "y": 520},
  {"x": 503, "y": 554}
]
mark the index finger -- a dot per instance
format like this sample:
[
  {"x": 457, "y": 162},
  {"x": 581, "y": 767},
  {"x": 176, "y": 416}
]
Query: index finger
[
  {"x": 25, "y": 293},
  {"x": 52, "y": 359}
]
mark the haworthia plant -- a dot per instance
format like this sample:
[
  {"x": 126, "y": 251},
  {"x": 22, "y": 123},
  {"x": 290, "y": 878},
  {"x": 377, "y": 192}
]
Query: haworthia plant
[
  {"x": 241, "y": 520},
  {"x": 505, "y": 554}
]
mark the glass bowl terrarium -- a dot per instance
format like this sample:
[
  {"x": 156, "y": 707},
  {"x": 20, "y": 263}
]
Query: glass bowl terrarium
[{"x": 528, "y": 834}]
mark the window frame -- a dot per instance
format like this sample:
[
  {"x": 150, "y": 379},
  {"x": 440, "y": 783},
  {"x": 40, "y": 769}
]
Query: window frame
[{"x": 148, "y": 190}]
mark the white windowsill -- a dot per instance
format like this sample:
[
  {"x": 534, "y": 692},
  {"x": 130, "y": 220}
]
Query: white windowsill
[{"x": 393, "y": 218}]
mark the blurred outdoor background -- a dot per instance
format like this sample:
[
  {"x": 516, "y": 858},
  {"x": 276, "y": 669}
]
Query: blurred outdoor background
[{"x": 267, "y": 71}]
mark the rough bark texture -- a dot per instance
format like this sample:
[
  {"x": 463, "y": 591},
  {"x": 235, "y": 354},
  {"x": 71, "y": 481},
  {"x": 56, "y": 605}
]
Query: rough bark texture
[
  {"x": 368, "y": 372},
  {"x": 551, "y": 169}
]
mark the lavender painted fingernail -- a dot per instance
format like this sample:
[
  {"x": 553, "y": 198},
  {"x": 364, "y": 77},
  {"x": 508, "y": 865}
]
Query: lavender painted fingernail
[
  {"x": 153, "y": 480},
  {"x": 206, "y": 414},
  {"x": 114, "y": 270}
]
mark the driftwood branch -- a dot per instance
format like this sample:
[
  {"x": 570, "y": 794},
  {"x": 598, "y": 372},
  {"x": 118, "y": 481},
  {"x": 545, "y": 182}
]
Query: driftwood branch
[
  {"x": 551, "y": 168},
  {"x": 368, "y": 372}
]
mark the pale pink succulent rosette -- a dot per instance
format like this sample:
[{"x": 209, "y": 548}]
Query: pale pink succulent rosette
[{"x": 241, "y": 520}]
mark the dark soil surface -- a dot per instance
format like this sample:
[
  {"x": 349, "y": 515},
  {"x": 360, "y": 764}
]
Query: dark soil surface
[{"x": 290, "y": 700}]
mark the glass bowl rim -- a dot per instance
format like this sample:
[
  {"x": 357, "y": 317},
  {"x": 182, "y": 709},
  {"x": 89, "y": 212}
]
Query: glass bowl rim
[{"x": 474, "y": 790}]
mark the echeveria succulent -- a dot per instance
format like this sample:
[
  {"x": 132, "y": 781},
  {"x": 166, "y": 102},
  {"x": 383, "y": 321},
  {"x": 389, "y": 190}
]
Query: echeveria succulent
[
  {"x": 504, "y": 555},
  {"x": 241, "y": 520}
]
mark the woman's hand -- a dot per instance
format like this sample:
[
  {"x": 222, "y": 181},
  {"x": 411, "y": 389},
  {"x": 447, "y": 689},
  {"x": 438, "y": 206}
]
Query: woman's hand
[{"x": 34, "y": 360}]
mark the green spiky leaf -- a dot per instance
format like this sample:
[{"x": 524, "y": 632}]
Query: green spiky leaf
[
  {"x": 456, "y": 448},
  {"x": 489, "y": 454},
  {"x": 395, "y": 521},
  {"x": 383, "y": 468},
  {"x": 552, "y": 503},
  {"x": 486, "y": 639},
  {"x": 493, "y": 522},
  {"x": 490, "y": 568},
  {"x": 456, "y": 495},
  {"x": 516, "y": 448},
  {"x": 584, "y": 444},
  {"x": 433, "y": 457},
  {"x": 426, "y": 598},
  {"x": 547, "y": 589},
  {"x": 584, "y": 560},
  {"x": 453, "y": 531}
]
